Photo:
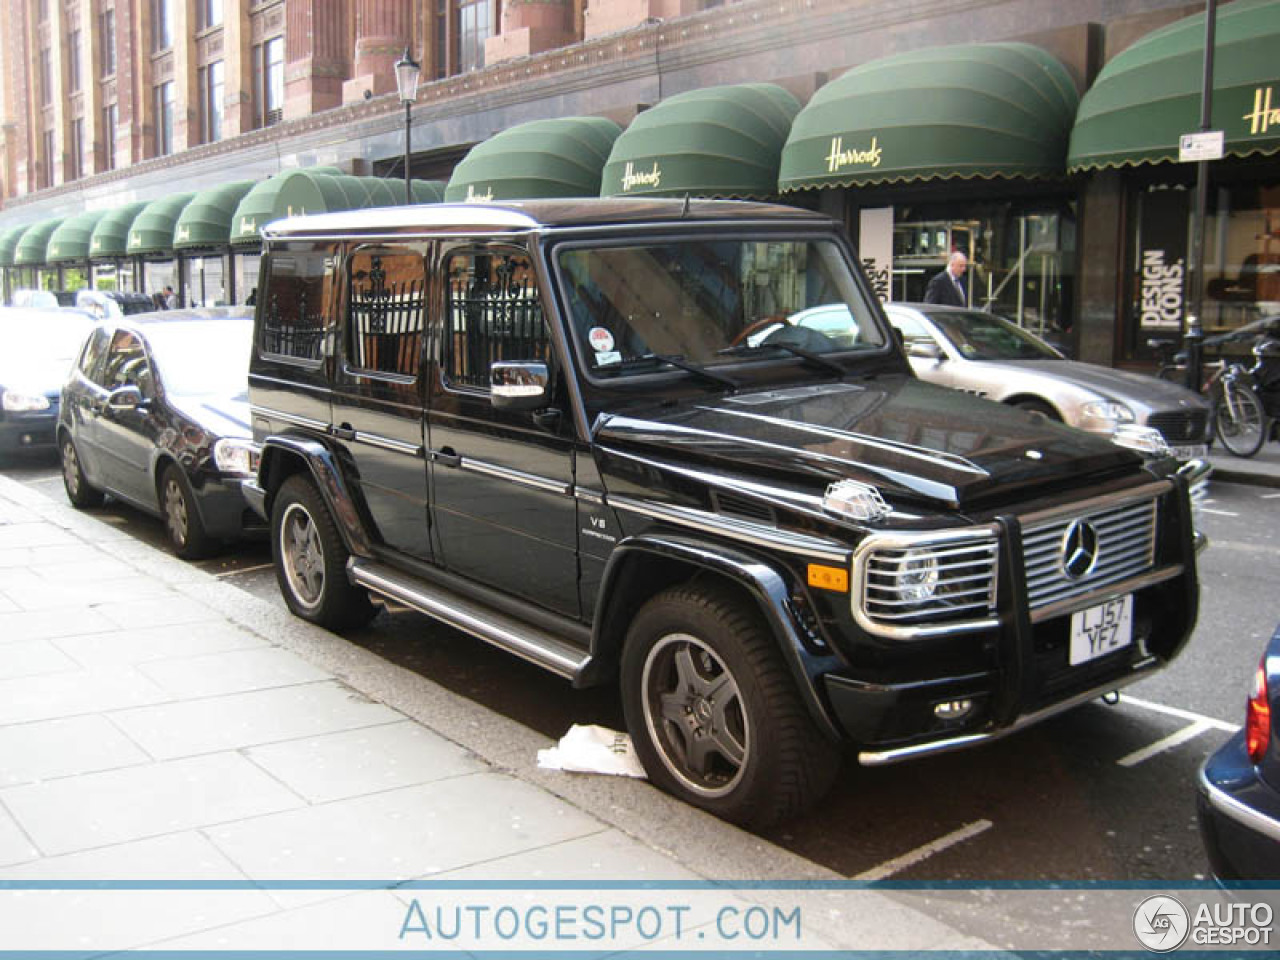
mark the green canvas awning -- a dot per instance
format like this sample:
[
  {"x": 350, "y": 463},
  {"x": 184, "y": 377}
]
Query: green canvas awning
[
  {"x": 1149, "y": 94},
  {"x": 33, "y": 248},
  {"x": 70, "y": 242},
  {"x": 110, "y": 238},
  {"x": 561, "y": 157},
  {"x": 151, "y": 234},
  {"x": 970, "y": 110},
  {"x": 9, "y": 243},
  {"x": 292, "y": 194},
  {"x": 205, "y": 222},
  {"x": 427, "y": 191},
  {"x": 714, "y": 142}
]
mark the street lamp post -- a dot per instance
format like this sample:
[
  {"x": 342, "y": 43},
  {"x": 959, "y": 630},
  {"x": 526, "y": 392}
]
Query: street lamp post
[
  {"x": 407, "y": 73},
  {"x": 1194, "y": 337}
]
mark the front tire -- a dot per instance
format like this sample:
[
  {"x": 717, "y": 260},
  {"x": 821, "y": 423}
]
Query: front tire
[
  {"x": 182, "y": 522},
  {"x": 1032, "y": 405},
  {"x": 311, "y": 560},
  {"x": 74, "y": 481},
  {"x": 1240, "y": 421},
  {"x": 714, "y": 713}
]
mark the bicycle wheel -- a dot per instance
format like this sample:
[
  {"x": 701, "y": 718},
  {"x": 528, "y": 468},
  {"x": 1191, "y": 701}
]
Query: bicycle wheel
[{"x": 1240, "y": 422}]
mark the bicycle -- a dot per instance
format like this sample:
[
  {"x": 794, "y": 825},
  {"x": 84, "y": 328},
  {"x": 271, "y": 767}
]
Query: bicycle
[{"x": 1245, "y": 400}]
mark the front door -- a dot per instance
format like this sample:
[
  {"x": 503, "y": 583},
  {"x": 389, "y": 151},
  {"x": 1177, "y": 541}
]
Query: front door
[
  {"x": 502, "y": 480},
  {"x": 378, "y": 396},
  {"x": 125, "y": 438}
]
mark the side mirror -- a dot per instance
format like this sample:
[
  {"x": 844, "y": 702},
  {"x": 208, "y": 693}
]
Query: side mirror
[
  {"x": 126, "y": 398},
  {"x": 519, "y": 385},
  {"x": 925, "y": 350}
]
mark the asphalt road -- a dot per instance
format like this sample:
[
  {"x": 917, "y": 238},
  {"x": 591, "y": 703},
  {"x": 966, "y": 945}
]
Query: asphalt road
[{"x": 1102, "y": 793}]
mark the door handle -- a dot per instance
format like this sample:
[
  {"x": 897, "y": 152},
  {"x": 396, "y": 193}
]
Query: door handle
[
  {"x": 446, "y": 457},
  {"x": 344, "y": 432}
]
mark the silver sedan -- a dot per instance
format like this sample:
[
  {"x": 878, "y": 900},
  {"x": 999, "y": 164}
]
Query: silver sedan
[{"x": 990, "y": 357}]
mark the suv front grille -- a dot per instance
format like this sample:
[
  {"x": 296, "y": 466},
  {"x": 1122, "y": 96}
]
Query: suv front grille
[
  {"x": 1125, "y": 547},
  {"x": 1180, "y": 426}
]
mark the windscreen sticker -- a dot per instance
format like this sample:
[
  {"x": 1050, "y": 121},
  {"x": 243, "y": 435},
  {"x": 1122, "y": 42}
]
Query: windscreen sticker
[
  {"x": 606, "y": 358},
  {"x": 601, "y": 340}
]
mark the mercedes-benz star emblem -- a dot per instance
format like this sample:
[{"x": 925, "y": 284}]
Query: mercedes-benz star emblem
[{"x": 1079, "y": 549}]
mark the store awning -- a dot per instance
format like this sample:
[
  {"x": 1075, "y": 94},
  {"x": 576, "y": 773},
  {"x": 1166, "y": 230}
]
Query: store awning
[
  {"x": 427, "y": 191},
  {"x": 970, "y": 110},
  {"x": 33, "y": 248},
  {"x": 9, "y": 238},
  {"x": 561, "y": 157},
  {"x": 151, "y": 234},
  {"x": 70, "y": 242},
  {"x": 300, "y": 192},
  {"x": 713, "y": 142},
  {"x": 205, "y": 222},
  {"x": 110, "y": 238},
  {"x": 1149, "y": 95}
]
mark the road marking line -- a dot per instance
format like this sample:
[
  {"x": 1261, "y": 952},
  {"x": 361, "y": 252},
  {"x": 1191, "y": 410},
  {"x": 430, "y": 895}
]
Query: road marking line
[
  {"x": 232, "y": 573},
  {"x": 1176, "y": 739},
  {"x": 1219, "y": 513},
  {"x": 1271, "y": 496},
  {"x": 910, "y": 859},
  {"x": 1182, "y": 714}
]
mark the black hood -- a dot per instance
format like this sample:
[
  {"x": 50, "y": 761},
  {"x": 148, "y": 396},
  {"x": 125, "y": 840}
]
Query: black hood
[{"x": 913, "y": 440}]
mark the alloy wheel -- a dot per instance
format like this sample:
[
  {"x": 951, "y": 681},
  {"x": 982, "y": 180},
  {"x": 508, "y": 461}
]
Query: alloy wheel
[
  {"x": 695, "y": 716},
  {"x": 303, "y": 556},
  {"x": 175, "y": 512}
]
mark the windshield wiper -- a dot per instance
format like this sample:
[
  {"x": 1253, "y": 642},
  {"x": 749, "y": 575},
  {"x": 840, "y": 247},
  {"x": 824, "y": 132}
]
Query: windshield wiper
[
  {"x": 814, "y": 359},
  {"x": 677, "y": 361}
]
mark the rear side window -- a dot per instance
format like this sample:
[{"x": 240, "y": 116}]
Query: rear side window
[
  {"x": 493, "y": 311},
  {"x": 296, "y": 302},
  {"x": 386, "y": 311},
  {"x": 94, "y": 348}
]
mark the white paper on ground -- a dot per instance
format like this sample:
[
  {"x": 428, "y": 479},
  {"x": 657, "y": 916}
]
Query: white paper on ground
[{"x": 592, "y": 749}]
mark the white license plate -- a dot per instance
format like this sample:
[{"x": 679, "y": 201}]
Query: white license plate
[
  {"x": 1099, "y": 630},
  {"x": 1194, "y": 452}
]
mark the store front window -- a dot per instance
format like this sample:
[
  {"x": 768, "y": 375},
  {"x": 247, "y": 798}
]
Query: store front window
[
  {"x": 1022, "y": 257},
  {"x": 1241, "y": 252}
]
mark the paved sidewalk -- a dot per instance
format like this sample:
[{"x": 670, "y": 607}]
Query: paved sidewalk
[
  {"x": 157, "y": 724},
  {"x": 1262, "y": 470}
]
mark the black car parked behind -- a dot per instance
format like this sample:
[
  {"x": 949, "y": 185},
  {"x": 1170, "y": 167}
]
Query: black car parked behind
[{"x": 155, "y": 413}]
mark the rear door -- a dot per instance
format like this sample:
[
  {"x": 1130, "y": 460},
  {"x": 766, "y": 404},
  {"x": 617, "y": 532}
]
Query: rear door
[
  {"x": 378, "y": 396},
  {"x": 502, "y": 480}
]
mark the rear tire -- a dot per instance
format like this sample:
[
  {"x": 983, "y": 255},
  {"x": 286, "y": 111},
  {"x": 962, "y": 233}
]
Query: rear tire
[
  {"x": 182, "y": 522},
  {"x": 1240, "y": 421},
  {"x": 311, "y": 560},
  {"x": 74, "y": 481},
  {"x": 714, "y": 713},
  {"x": 1032, "y": 405}
]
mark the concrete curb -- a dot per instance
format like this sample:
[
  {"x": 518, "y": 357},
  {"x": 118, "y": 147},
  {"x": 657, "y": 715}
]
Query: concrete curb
[
  {"x": 697, "y": 841},
  {"x": 1246, "y": 477}
]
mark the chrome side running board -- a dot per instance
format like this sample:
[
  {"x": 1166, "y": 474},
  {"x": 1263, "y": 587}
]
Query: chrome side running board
[{"x": 529, "y": 643}]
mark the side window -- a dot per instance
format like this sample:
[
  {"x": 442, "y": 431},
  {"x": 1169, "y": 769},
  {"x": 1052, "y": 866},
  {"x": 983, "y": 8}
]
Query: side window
[
  {"x": 386, "y": 310},
  {"x": 127, "y": 364},
  {"x": 492, "y": 312},
  {"x": 297, "y": 300},
  {"x": 91, "y": 356}
]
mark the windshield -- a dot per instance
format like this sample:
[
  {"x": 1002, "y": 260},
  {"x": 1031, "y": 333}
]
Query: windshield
[
  {"x": 203, "y": 358},
  {"x": 984, "y": 336},
  {"x": 713, "y": 301}
]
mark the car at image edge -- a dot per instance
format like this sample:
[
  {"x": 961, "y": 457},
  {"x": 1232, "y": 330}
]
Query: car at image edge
[
  {"x": 39, "y": 347},
  {"x": 155, "y": 413}
]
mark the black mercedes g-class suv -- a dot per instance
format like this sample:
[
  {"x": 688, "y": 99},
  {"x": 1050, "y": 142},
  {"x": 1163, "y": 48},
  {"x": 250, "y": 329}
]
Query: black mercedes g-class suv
[{"x": 676, "y": 445}]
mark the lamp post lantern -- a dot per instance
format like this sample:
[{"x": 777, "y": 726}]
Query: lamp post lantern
[{"x": 407, "y": 72}]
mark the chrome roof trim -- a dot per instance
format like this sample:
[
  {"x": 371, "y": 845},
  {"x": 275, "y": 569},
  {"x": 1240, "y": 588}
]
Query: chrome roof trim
[{"x": 426, "y": 216}]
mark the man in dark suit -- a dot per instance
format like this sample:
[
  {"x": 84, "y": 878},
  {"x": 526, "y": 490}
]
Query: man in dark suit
[{"x": 947, "y": 287}]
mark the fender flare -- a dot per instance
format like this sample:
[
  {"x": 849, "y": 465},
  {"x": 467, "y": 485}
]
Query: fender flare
[
  {"x": 766, "y": 585},
  {"x": 327, "y": 474}
]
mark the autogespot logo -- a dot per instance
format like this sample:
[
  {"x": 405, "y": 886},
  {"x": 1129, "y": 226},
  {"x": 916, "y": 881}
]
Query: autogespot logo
[{"x": 1161, "y": 923}]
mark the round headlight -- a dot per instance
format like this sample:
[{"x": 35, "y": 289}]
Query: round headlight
[{"x": 917, "y": 577}]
